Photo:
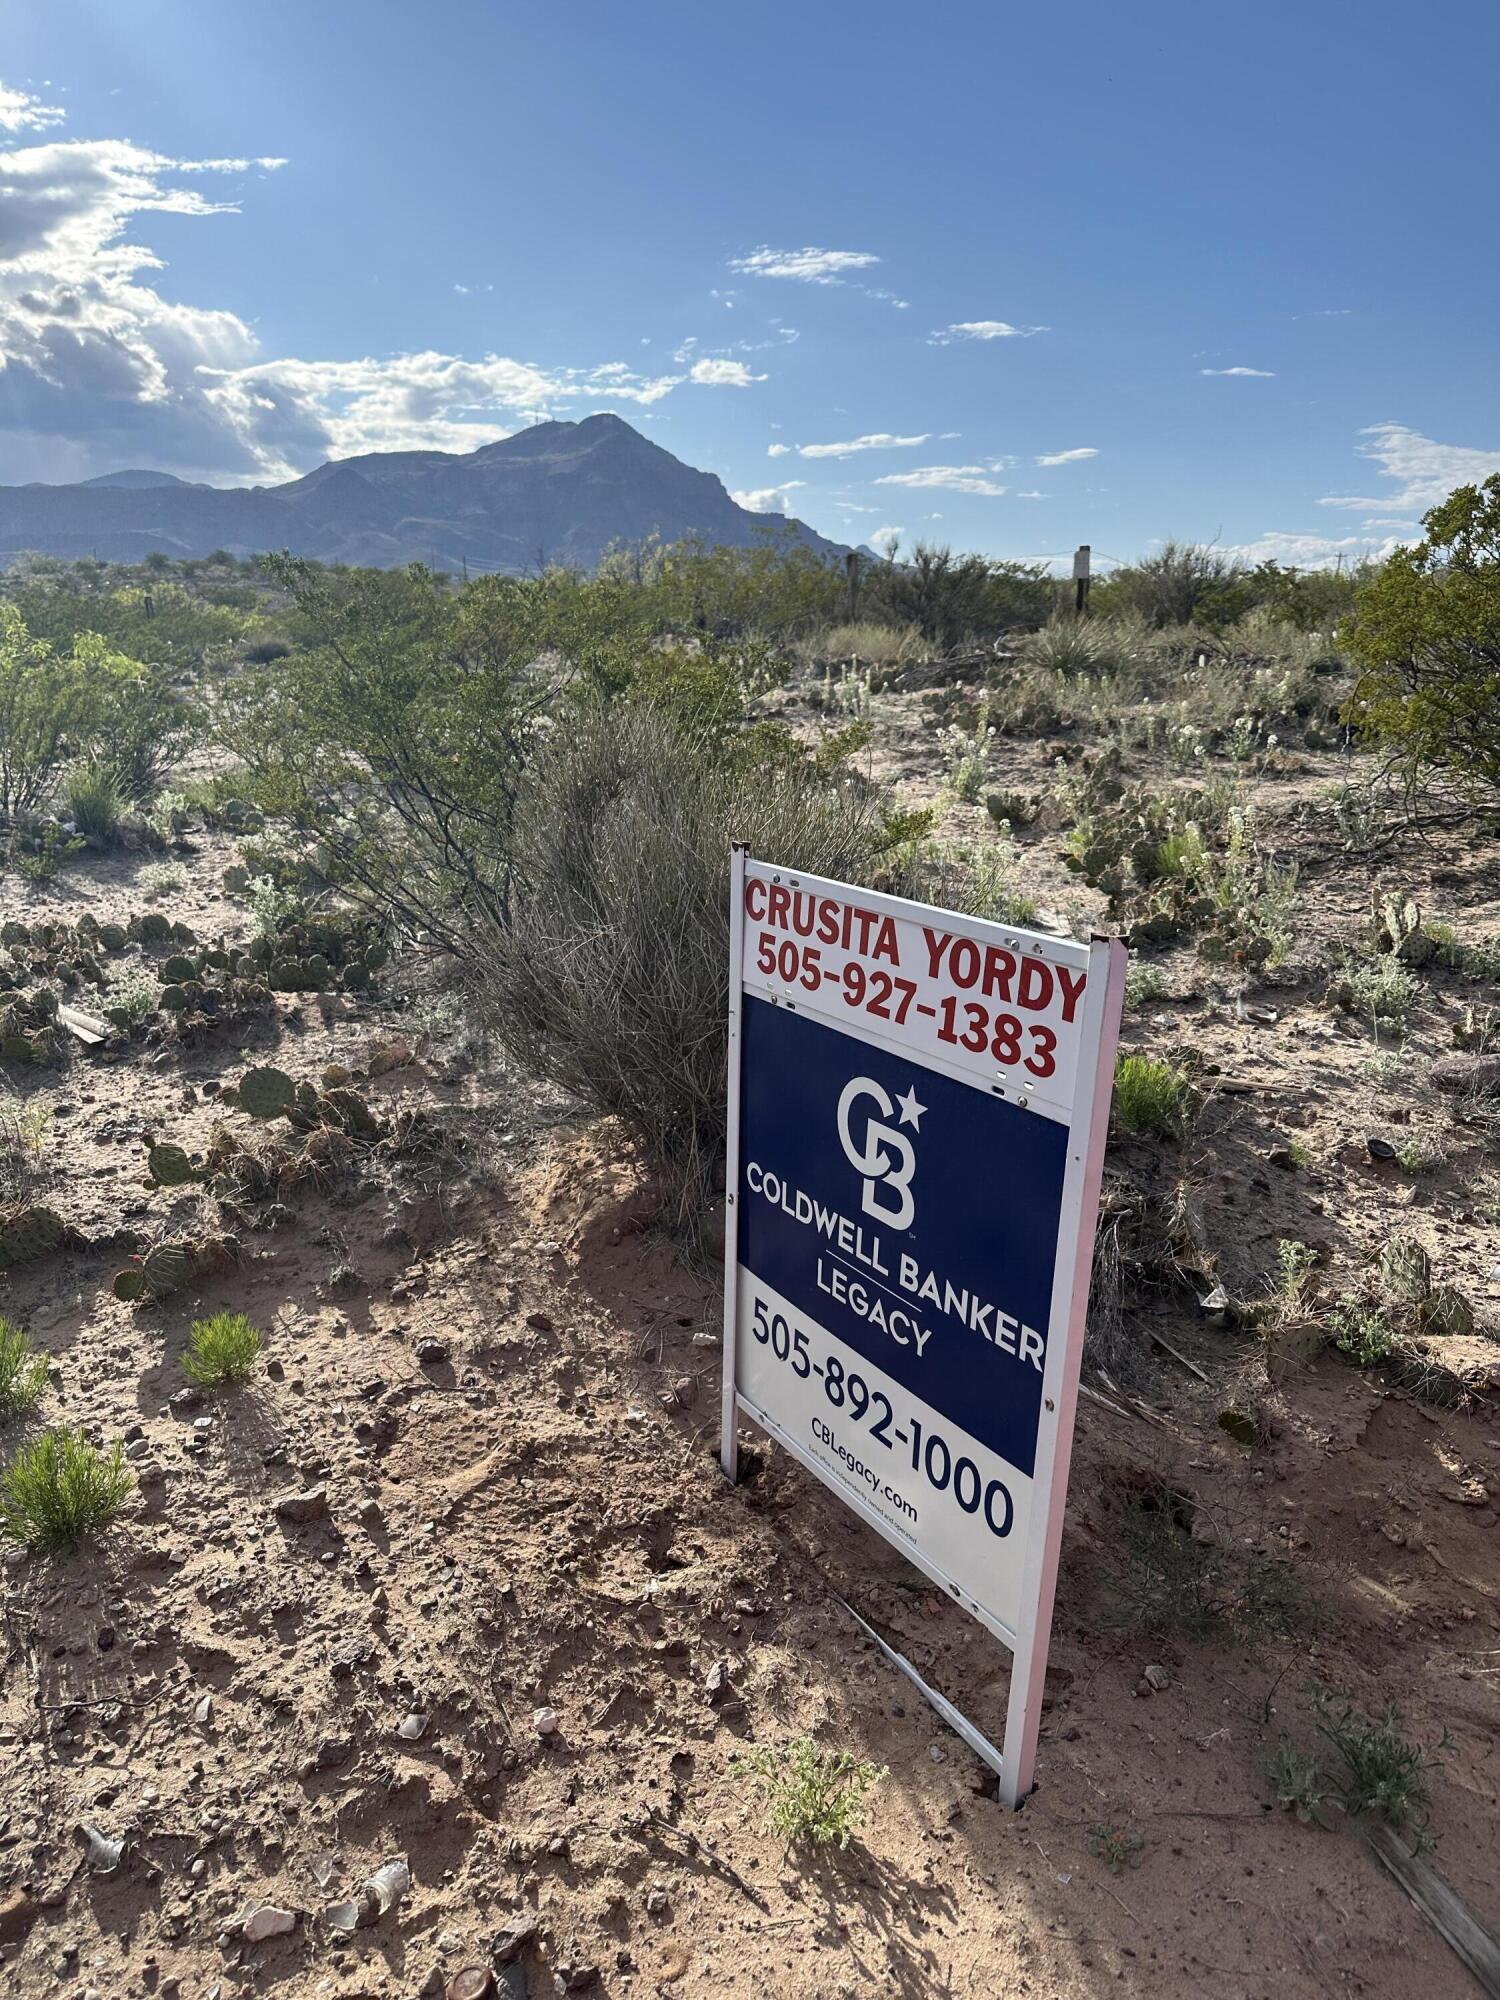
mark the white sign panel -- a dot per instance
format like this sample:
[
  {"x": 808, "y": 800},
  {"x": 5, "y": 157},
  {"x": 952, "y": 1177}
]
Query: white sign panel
[{"x": 918, "y": 1103}]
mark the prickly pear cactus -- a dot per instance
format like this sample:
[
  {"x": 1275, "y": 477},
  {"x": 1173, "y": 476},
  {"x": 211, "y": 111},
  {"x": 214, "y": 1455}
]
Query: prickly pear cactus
[
  {"x": 129, "y": 1284},
  {"x": 1446, "y": 1311},
  {"x": 266, "y": 1092},
  {"x": 1406, "y": 1268},
  {"x": 28, "y": 1231},
  {"x": 166, "y": 1269},
  {"x": 349, "y": 1112},
  {"x": 1398, "y": 930},
  {"x": 178, "y": 969},
  {"x": 170, "y": 1166}
]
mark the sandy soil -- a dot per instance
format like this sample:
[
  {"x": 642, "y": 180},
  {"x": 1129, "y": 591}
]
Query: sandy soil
[{"x": 505, "y": 1383}]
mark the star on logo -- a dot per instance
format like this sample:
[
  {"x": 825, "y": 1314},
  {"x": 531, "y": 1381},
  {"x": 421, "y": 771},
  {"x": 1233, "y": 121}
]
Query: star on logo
[{"x": 911, "y": 1110}]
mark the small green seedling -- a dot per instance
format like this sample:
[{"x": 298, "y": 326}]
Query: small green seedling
[
  {"x": 1118, "y": 1846},
  {"x": 222, "y": 1349},
  {"x": 60, "y": 1488},
  {"x": 812, "y": 1795},
  {"x": 23, "y": 1374}
]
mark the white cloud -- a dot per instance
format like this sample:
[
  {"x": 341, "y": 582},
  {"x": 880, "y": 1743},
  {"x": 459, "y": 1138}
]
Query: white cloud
[
  {"x": 1311, "y": 551},
  {"x": 1067, "y": 457},
  {"x": 1033, "y": 494},
  {"x": 956, "y": 478},
  {"x": 722, "y": 374},
  {"x": 811, "y": 266},
  {"x": 777, "y": 450},
  {"x": 21, "y": 112},
  {"x": 982, "y": 329},
  {"x": 769, "y": 499},
  {"x": 1265, "y": 374},
  {"x": 872, "y": 441},
  {"x": 878, "y": 537},
  {"x": 98, "y": 369},
  {"x": 1424, "y": 471}
]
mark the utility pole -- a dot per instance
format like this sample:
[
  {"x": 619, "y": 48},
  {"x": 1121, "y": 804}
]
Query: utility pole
[{"x": 1081, "y": 580}]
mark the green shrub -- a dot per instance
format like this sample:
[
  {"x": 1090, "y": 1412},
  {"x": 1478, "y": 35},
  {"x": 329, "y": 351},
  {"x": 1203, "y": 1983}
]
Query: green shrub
[
  {"x": 812, "y": 1795},
  {"x": 1070, "y": 646},
  {"x": 58, "y": 1489},
  {"x": 221, "y": 1349},
  {"x": 1152, "y": 1098},
  {"x": 159, "y": 878},
  {"x": 23, "y": 1374},
  {"x": 872, "y": 644},
  {"x": 1144, "y": 983},
  {"x": 91, "y": 800},
  {"x": 1426, "y": 636},
  {"x": 610, "y": 977},
  {"x": 1360, "y": 1330}
]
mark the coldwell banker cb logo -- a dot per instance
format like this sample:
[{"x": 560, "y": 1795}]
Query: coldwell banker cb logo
[{"x": 884, "y": 1157}]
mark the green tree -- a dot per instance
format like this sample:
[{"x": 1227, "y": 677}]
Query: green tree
[{"x": 1426, "y": 637}]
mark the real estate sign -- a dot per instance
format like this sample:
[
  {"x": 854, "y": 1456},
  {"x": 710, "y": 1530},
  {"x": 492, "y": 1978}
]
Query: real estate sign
[{"x": 918, "y": 1105}]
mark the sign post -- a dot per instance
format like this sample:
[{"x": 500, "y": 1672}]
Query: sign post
[{"x": 918, "y": 1105}]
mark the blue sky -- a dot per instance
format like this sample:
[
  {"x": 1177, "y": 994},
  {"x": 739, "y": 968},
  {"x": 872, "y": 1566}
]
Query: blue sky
[{"x": 1040, "y": 276}]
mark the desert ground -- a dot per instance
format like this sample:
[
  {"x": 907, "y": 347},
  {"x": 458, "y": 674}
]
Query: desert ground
[{"x": 475, "y": 1478}]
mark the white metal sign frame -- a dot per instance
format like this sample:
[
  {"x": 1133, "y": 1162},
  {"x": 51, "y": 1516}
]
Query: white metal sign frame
[{"x": 1087, "y": 1069}]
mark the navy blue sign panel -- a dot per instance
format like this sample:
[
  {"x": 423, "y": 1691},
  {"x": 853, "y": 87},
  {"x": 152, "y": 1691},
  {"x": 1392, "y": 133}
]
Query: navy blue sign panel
[{"x": 913, "y": 1216}]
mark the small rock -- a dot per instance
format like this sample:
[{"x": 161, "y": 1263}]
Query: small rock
[
  {"x": 267, "y": 1922},
  {"x": 545, "y": 1722},
  {"x": 430, "y": 1351},
  {"x": 1285, "y": 1158},
  {"x": 658, "y": 1903},
  {"x": 539, "y": 1322},
  {"x": 573, "y": 1978},
  {"x": 513, "y": 1940},
  {"x": 1158, "y": 1677},
  {"x": 303, "y": 1507},
  {"x": 413, "y": 1728},
  {"x": 716, "y": 1682}
]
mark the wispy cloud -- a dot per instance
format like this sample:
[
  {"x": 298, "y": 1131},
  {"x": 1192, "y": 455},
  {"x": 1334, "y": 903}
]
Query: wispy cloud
[
  {"x": 1311, "y": 551},
  {"x": 1266, "y": 374},
  {"x": 981, "y": 329},
  {"x": 722, "y": 374},
  {"x": 878, "y": 537},
  {"x": 1067, "y": 457},
  {"x": 872, "y": 441},
  {"x": 769, "y": 499},
  {"x": 956, "y": 478},
  {"x": 1424, "y": 471},
  {"x": 21, "y": 112},
  {"x": 810, "y": 265}
]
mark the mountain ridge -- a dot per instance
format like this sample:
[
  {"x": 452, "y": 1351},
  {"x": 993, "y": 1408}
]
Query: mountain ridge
[{"x": 561, "y": 491}]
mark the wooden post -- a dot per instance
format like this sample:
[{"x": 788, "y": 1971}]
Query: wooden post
[{"x": 1081, "y": 580}]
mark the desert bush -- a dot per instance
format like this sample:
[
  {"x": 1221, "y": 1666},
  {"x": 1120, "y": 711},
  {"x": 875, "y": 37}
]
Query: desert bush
[
  {"x": 221, "y": 1349},
  {"x": 1425, "y": 635},
  {"x": 951, "y": 598},
  {"x": 91, "y": 800},
  {"x": 610, "y": 975},
  {"x": 865, "y": 641},
  {"x": 23, "y": 1373},
  {"x": 59, "y": 1488},
  {"x": 812, "y": 1795},
  {"x": 1071, "y": 646},
  {"x": 1152, "y": 1099},
  {"x": 1144, "y": 983},
  {"x": 134, "y": 991},
  {"x": 1181, "y": 584},
  {"x": 159, "y": 878}
]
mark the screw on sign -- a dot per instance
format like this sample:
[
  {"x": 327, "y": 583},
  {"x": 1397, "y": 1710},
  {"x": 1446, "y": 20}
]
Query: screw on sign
[{"x": 918, "y": 1106}]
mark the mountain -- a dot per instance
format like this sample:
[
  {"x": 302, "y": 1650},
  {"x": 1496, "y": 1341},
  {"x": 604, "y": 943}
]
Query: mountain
[{"x": 559, "y": 492}]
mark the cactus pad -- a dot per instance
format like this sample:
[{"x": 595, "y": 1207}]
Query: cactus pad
[{"x": 266, "y": 1092}]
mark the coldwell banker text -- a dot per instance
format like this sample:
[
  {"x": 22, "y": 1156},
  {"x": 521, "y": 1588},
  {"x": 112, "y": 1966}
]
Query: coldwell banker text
[{"x": 895, "y": 1278}]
